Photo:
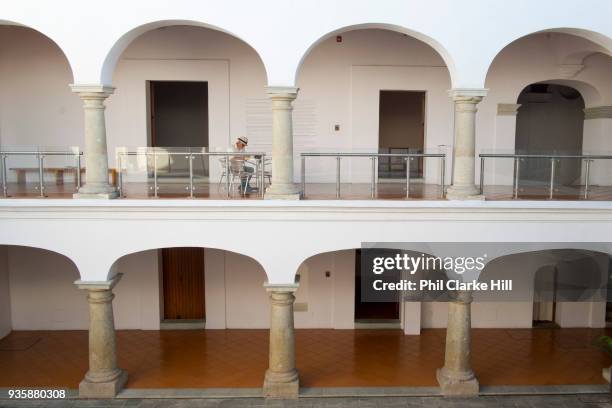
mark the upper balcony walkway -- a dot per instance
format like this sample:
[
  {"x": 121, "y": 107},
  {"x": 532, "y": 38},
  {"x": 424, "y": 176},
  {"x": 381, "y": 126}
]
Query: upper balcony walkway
[{"x": 195, "y": 173}]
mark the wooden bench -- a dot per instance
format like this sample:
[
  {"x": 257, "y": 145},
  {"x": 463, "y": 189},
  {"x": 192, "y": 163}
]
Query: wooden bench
[{"x": 58, "y": 173}]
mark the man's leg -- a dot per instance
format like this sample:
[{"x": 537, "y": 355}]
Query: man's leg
[{"x": 244, "y": 182}]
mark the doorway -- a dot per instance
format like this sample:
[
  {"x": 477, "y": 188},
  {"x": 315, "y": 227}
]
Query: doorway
[
  {"x": 183, "y": 284},
  {"x": 372, "y": 312},
  {"x": 179, "y": 113},
  {"x": 179, "y": 120},
  {"x": 545, "y": 297},
  {"x": 550, "y": 120},
  {"x": 401, "y": 129}
]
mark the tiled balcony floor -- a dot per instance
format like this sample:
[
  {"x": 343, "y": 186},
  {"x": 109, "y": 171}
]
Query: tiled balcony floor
[
  {"x": 325, "y": 358},
  {"x": 321, "y": 191}
]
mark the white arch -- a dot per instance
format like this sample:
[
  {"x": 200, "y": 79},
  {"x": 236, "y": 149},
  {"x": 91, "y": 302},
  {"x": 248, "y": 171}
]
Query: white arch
[
  {"x": 433, "y": 43},
  {"x": 590, "y": 94},
  {"x": 46, "y": 249},
  {"x": 111, "y": 261},
  {"x": 120, "y": 44},
  {"x": 39, "y": 31},
  {"x": 112, "y": 269},
  {"x": 597, "y": 38}
]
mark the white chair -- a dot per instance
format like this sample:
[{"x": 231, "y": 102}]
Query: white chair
[{"x": 236, "y": 171}]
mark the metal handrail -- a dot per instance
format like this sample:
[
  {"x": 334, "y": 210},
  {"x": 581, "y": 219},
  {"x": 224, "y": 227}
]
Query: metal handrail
[
  {"x": 554, "y": 159},
  {"x": 260, "y": 168},
  {"x": 40, "y": 155},
  {"x": 373, "y": 157}
]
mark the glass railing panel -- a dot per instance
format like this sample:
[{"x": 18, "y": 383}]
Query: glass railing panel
[
  {"x": 558, "y": 175},
  {"x": 40, "y": 171},
  {"x": 191, "y": 173},
  {"x": 372, "y": 173}
]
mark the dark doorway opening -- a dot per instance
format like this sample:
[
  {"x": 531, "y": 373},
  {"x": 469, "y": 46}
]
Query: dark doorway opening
[
  {"x": 401, "y": 129},
  {"x": 179, "y": 113},
  {"x": 183, "y": 283},
  {"x": 545, "y": 297},
  {"x": 372, "y": 312},
  {"x": 550, "y": 120}
]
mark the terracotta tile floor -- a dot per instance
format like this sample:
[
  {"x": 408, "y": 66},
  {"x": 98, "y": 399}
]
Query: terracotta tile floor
[
  {"x": 322, "y": 191},
  {"x": 325, "y": 358}
]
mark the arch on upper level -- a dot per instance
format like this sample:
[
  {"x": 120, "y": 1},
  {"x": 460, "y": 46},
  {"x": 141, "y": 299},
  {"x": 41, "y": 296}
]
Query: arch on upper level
[
  {"x": 435, "y": 44},
  {"x": 123, "y": 41}
]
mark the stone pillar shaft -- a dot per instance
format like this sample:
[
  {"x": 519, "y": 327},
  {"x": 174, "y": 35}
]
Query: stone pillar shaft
[
  {"x": 282, "y": 185},
  {"x": 464, "y": 186},
  {"x": 102, "y": 347},
  {"x": 103, "y": 379},
  {"x": 281, "y": 379},
  {"x": 96, "y": 155},
  {"x": 456, "y": 377}
]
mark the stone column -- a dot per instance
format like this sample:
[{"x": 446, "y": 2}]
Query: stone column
[
  {"x": 281, "y": 379},
  {"x": 282, "y": 186},
  {"x": 103, "y": 379},
  {"x": 456, "y": 378},
  {"x": 464, "y": 187},
  {"x": 96, "y": 156}
]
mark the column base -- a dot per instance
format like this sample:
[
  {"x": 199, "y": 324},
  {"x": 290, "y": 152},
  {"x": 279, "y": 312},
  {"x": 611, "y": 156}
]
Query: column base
[
  {"x": 284, "y": 192},
  {"x": 97, "y": 191},
  {"x": 457, "y": 385},
  {"x": 464, "y": 193},
  {"x": 97, "y": 196},
  {"x": 106, "y": 389},
  {"x": 281, "y": 386}
]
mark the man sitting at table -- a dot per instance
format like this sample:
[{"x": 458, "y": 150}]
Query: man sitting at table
[{"x": 240, "y": 162}]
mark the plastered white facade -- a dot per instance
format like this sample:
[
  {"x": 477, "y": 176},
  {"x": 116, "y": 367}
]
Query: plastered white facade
[
  {"x": 235, "y": 299},
  {"x": 43, "y": 295},
  {"x": 339, "y": 85},
  {"x": 395, "y": 45}
]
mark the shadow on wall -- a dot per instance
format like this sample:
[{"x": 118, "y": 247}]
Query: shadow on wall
[
  {"x": 224, "y": 289},
  {"x": 37, "y": 291}
]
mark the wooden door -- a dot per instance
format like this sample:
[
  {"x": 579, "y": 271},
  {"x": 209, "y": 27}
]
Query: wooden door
[{"x": 183, "y": 283}]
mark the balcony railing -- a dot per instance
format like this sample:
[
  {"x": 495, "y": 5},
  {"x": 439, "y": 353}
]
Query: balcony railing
[
  {"x": 198, "y": 173},
  {"x": 192, "y": 170},
  {"x": 374, "y": 158},
  {"x": 554, "y": 160},
  {"x": 17, "y": 162}
]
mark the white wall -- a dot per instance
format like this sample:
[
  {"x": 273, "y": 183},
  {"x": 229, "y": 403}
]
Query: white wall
[
  {"x": 343, "y": 82},
  {"x": 136, "y": 302},
  {"x": 214, "y": 287},
  {"x": 38, "y": 107},
  {"x": 541, "y": 57},
  {"x": 596, "y": 139},
  {"x": 339, "y": 84},
  {"x": 44, "y": 297},
  {"x": 247, "y": 304},
  {"x": 455, "y": 29},
  {"x": 5, "y": 294}
]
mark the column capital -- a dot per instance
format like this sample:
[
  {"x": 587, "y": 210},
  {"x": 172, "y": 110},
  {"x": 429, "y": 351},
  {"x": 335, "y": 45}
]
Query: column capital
[
  {"x": 90, "y": 91},
  {"x": 598, "y": 112},
  {"x": 468, "y": 95},
  {"x": 281, "y": 287},
  {"x": 461, "y": 296},
  {"x": 99, "y": 285},
  {"x": 282, "y": 92}
]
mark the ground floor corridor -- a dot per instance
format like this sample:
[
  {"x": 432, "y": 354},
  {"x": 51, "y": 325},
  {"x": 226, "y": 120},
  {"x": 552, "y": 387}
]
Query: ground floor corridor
[{"x": 325, "y": 358}]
